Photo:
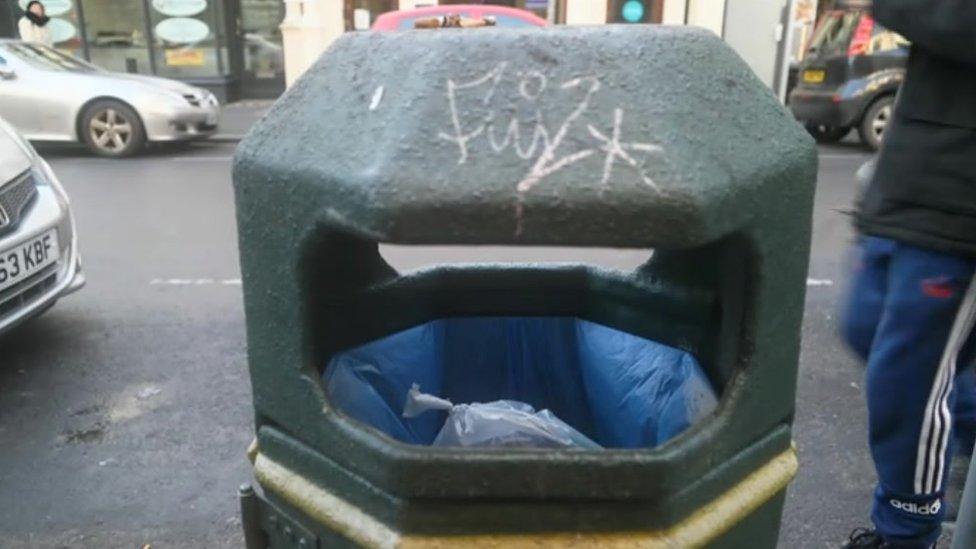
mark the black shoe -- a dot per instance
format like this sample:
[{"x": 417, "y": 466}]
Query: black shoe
[{"x": 862, "y": 538}]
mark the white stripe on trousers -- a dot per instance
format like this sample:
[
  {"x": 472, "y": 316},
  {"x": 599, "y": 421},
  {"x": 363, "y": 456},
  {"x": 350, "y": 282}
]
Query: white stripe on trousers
[{"x": 937, "y": 424}]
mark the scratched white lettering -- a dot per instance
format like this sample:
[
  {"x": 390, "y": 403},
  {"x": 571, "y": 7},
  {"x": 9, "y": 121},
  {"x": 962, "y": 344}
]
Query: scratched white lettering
[
  {"x": 525, "y": 84},
  {"x": 377, "y": 97},
  {"x": 546, "y": 164},
  {"x": 460, "y": 136},
  {"x": 615, "y": 149},
  {"x": 543, "y": 146}
]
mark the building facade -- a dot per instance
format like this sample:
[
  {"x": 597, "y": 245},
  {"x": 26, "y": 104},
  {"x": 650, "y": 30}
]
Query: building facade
[
  {"x": 244, "y": 49},
  {"x": 760, "y": 30},
  {"x": 232, "y": 47}
]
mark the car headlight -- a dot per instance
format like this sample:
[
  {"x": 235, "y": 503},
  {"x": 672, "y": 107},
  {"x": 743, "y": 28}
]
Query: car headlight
[
  {"x": 44, "y": 177},
  {"x": 19, "y": 139},
  {"x": 40, "y": 169},
  {"x": 177, "y": 98}
]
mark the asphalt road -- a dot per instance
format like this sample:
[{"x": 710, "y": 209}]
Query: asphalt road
[{"x": 125, "y": 410}]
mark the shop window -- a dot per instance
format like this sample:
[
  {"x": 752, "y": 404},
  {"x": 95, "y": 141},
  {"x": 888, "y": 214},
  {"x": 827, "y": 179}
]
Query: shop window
[
  {"x": 264, "y": 57},
  {"x": 186, "y": 38},
  {"x": 63, "y": 25},
  {"x": 116, "y": 35}
]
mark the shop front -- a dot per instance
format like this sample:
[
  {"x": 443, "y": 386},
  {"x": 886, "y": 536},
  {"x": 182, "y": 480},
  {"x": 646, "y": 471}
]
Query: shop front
[
  {"x": 556, "y": 11},
  {"x": 232, "y": 47}
]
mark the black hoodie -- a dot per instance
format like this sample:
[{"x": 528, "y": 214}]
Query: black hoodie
[{"x": 924, "y": 189}]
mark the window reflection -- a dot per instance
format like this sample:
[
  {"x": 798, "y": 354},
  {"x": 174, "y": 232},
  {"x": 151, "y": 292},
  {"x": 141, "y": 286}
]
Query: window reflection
[
  {"x": 50, "y": 59},
  {"x": 116, "y": 34},
  {"x": 185, "y": 38},
  {"x": 63, "y": 25},
  {"x": 264, "y": 57}
]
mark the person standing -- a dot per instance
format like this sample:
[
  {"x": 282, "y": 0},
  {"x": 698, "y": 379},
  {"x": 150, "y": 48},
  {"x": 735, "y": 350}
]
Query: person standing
[
  {"x": 912, "y": 306},
  {"x": 33, "y": 25}
]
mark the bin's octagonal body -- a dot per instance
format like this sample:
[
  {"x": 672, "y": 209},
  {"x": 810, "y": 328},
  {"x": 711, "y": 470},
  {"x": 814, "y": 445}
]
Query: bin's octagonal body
[{"x": 628, "y": 136}]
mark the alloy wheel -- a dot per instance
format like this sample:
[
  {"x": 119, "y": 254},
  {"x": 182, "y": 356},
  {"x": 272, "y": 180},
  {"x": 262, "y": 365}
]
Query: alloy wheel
[
  {"x": 880, "y": 122},
  {"x": 110, "y": 131}
]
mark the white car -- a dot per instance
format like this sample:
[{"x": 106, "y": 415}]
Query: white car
[
  {"x": 51, "y": 96},
  {"x": 39, "y": 260}
]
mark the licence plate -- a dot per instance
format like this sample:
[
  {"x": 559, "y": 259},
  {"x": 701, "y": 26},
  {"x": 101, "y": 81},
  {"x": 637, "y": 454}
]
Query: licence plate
[
  {"x": 814, "y": 77},
  {"x": 27, "y": 258},
  {"x": 211, "y": 118}
]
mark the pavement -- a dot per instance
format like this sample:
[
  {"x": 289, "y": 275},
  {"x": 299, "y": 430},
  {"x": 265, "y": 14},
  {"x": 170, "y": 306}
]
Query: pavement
[
  {"x": 125, "y": 410},
  {"x": 832, "y": 493},
  {"x": 237, "y": 118}
]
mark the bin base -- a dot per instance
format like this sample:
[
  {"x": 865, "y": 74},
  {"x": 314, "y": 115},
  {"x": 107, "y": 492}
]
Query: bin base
[{"x": 304, "y": 515}]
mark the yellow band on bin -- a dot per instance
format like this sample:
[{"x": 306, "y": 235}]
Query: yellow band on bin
[{"x": 697, "y": 530}]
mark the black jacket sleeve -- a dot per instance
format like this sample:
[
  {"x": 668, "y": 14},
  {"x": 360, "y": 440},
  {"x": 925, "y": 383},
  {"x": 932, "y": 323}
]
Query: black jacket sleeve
[{"x": 946, "y": 28}]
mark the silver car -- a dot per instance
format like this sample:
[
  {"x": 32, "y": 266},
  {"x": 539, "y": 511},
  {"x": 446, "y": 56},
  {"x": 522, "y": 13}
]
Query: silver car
[
  {"x": 51, "y": 96},
  {"x": 39, "y": 261}
]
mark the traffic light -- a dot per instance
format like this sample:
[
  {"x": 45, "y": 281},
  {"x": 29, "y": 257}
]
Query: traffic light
[{"x": 632, "y": 11}]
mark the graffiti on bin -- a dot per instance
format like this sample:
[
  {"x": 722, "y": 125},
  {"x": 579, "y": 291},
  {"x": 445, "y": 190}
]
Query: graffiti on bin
[{"x": 543, "y": 145}]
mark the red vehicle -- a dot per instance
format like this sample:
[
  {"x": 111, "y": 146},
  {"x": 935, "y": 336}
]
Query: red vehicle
[{"x": 504, "y": 16}]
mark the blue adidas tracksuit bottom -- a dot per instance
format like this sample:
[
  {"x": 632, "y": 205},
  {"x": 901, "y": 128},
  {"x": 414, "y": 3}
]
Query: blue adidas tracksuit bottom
[{"x": 901, "y": 318}]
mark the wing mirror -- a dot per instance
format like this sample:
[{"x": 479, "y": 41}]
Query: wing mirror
[{"x": 6, "y": 73}]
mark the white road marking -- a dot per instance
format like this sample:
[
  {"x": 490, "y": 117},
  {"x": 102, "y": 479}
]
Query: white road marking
[
  {"x": 195, "y": 282},
  {"x": 237, "y": 282}
]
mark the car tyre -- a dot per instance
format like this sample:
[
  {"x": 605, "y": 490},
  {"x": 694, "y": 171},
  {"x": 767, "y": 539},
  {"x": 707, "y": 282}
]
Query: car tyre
[
  {"x": 113, "y": 129},
  {"x": 876, "y": 121},
  {"x": 827, "y": 134}
]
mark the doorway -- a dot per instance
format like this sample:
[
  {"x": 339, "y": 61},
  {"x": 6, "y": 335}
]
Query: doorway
[{"x": 257, "y": 55}]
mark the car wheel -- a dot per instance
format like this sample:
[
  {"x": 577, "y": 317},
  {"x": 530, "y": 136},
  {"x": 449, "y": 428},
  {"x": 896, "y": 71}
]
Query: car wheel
[
  {"x": 876, "y": 121},
  {"x": 827, "y": 134},
  {"x": 111, "y": 128}
]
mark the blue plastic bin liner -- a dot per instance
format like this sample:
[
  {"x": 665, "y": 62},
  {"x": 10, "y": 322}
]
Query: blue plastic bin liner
[{"x": 618, "y": 389}]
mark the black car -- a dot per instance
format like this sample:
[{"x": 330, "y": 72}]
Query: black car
[{"x": 850, "y": 76}]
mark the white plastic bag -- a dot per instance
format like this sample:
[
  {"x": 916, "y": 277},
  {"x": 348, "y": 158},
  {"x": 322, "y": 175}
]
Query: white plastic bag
[{"x": 500, "y": 423}]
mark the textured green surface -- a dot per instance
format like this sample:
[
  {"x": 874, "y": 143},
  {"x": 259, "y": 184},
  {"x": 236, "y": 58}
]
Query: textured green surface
[{"x": 706, "y": 167}]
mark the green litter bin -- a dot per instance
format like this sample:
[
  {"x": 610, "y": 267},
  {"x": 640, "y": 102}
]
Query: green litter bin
[{"x": 642, "y": 137}]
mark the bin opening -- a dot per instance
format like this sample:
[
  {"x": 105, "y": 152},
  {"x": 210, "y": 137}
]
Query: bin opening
[
  {"x": 618, "y": 389},
  {"x": 407, "y": 258}
]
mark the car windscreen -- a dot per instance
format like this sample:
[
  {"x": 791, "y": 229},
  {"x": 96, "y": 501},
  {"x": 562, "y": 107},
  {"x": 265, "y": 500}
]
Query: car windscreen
[
  {"x": 510, "y": 21},
  {"x": 833, "y": 35},
  {"x": 47, "y": 58},
  {"x": 408, "y": 22},
  {"x": 500, "y": 20}
]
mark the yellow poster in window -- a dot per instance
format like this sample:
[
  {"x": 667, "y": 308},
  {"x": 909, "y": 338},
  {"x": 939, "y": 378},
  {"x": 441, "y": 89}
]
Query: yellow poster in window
[{"x": 184, "y": 58}]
